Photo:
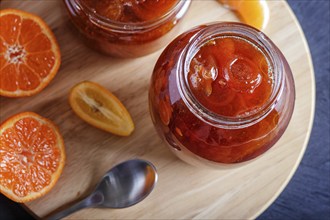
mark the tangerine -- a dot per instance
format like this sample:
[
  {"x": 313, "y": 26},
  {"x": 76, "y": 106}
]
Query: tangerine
[
  {"x": 254, "y": 13},
  {"x": 32, "y": 156},
  {"x": 29, "y": 54}
]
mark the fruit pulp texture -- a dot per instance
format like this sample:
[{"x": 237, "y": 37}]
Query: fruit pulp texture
[
  {"x": 126, "y": 42},
  {"x": 131, "y": 10},
  {"x": 221, "y": 92},
  {"x": 29, "y": 155},
  {"x": 230, "y": 77}
]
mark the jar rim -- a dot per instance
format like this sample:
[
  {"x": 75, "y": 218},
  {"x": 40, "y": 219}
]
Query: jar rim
[
  {"x": 108, "y": 23},
  {"x": 253, "y": 36}
]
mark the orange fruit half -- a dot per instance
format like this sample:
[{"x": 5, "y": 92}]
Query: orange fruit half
[
  {"x": 29, "y": 54},
  {"x": 100, "y": 108},
  {"x": 32, "y": 156},
  {"x": 252, "y": 12}
]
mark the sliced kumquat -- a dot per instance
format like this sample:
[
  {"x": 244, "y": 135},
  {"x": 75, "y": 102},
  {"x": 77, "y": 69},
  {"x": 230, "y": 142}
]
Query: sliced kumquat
[{"x": 100, "y": 108}]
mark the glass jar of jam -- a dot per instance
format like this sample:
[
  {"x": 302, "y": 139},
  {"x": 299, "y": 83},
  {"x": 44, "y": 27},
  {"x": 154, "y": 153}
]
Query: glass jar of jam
[
  {"x": 221, "y": 94},
  {"x": 127, "y": 28}
]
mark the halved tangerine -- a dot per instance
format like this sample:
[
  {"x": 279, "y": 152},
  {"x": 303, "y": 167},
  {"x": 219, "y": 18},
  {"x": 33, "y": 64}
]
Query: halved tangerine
[
  {"x": 29, "y": 54},
  {"x": 100, "y": 108},
  {"x": 254, "y": 12},
  {"x": 32, "y": 156}
]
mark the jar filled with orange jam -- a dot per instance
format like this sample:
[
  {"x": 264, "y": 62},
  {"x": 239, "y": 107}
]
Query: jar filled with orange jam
[
  {"x": 127, "y": 28},
  {"x": 221, "y": 94}
]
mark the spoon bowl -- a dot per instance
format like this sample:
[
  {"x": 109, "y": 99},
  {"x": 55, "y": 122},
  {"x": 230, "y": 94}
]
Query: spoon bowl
[{"x": 122, "y": 186}]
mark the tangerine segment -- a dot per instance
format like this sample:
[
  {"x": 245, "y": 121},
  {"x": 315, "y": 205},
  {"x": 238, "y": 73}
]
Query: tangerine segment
[
  {"x": 29, "y": 54},
  {"x": 100, "y": 108},
  {"x": 32, "y": 156},
  {"x": 254, "y": 13}
]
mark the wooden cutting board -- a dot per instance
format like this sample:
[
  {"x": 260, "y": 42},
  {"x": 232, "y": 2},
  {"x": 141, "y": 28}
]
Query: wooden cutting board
[{"x": 182, "y": 191}]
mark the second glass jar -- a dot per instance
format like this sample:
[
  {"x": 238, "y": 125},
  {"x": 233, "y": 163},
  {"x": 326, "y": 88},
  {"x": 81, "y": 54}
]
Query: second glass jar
[{"x": 127, "y": 28}]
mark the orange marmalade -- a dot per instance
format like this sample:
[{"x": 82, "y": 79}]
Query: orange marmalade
[
  {"x": 126, "y": 28},
  {"x": 221, "y": 93},
  {"x": 130, "y": 11},
  {"x": 230, "y": 76}
]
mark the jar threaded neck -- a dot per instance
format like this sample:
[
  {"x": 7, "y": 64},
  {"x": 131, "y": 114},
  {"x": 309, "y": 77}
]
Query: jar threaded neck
[
  {"x": 130, "y": 27},
  {"x": 254, "y": 37}
]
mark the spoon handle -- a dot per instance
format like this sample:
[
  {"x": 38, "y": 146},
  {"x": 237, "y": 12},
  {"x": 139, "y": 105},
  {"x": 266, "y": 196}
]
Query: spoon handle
[
  {"x": 59, "y": 215},
  {"x": 90, "y": 201},
  {"x": 79, "y": 205}
]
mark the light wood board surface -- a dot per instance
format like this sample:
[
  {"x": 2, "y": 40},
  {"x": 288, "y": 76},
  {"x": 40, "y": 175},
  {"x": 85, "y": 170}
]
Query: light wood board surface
[{"x": 183, "y": 191}]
